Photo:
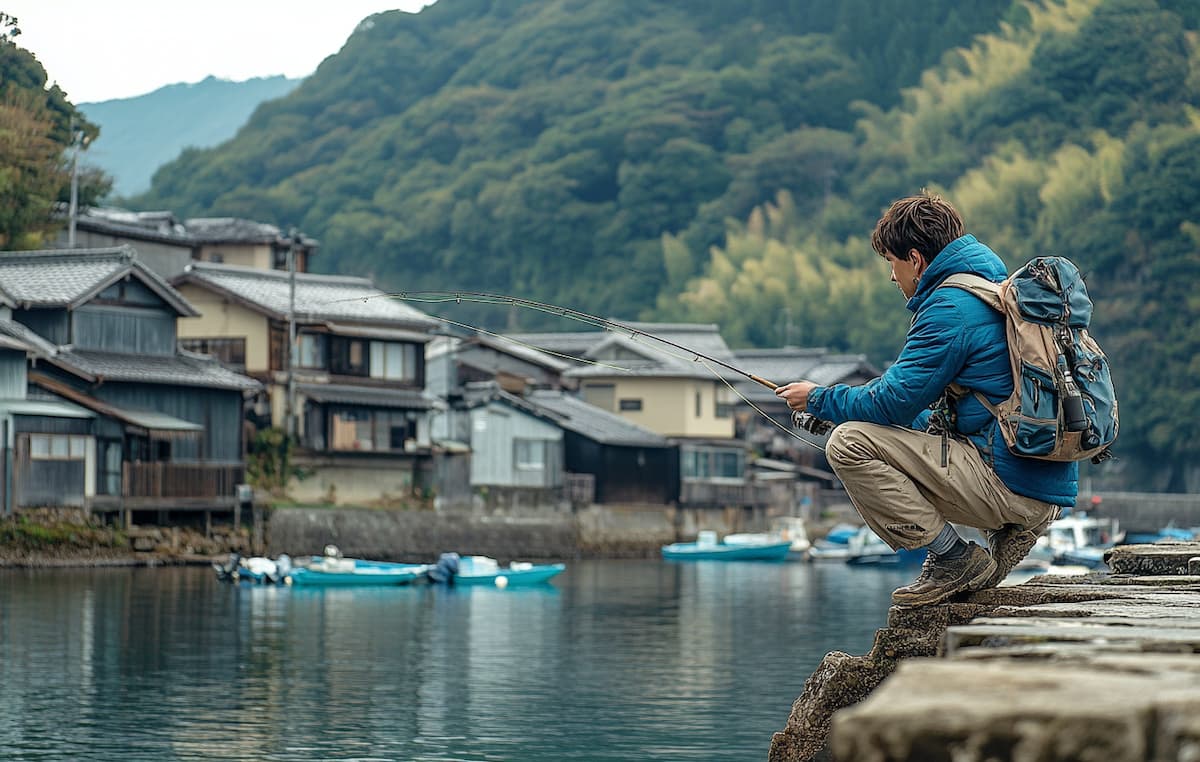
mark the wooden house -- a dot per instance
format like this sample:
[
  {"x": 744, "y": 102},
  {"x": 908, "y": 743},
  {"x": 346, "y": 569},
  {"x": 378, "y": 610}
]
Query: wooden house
[
  {"x": 167, "y": 245},
  {"x": 351, "y": 387},
  {"x": 453, "y": 362},
  {"x": 510, "y": 443},
  {"x": 607, "y": 458},
  {"x": 110, "y": 399},
  {"x": 649, "y": 383}
]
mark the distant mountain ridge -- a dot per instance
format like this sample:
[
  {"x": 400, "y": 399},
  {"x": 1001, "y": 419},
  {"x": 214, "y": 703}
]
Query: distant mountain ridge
[{"x": 140, "y": 134}]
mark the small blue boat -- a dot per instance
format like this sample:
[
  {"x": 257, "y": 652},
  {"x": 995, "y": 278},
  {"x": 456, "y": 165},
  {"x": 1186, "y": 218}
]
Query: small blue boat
[
  {"x": 485, "y": 571},
  {"x": 343, "y": 572},
  {"x": 706, "y": 548}
]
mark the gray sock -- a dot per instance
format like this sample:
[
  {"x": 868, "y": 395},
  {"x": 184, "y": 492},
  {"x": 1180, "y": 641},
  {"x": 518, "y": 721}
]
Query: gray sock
[{"x": 947, "y": 544}]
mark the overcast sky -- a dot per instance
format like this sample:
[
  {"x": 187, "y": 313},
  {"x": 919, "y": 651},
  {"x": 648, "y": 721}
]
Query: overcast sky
[{"x": 97, "y": 50}]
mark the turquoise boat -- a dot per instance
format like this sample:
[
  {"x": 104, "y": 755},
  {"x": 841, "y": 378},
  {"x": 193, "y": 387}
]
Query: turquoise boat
[
  {"x": 344, "y": 572},
  {"x": 706, "y": 548},
  {"x": 484, "y": 571}
]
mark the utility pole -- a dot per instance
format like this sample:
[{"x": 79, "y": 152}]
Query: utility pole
[
  {"x": 73, "y": 212},
  {"x": 291, "y": 360}
]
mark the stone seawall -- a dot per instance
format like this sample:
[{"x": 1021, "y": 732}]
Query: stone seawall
[
  {"x": 1104, "y": 666},
  {"x": 503, "y": 530}
]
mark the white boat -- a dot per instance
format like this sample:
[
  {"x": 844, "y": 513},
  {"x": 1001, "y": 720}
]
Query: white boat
[
  {"x": 789, "y": 529},
  {"x": 1078, "y": 539}
]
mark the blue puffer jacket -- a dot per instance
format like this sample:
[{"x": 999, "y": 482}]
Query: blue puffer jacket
[{"x": 954, "y": 337}]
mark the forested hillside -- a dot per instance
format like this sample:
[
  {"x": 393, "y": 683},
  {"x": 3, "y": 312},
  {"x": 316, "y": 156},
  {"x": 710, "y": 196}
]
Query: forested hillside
[
  {"x": 725, "y": 162},
  {"x": 543, "y": 147},
  {"x": 138, "y": 135}
]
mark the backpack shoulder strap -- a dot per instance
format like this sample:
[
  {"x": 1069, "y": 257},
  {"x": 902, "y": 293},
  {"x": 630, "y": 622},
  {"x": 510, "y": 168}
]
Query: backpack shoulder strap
[
  {"x": 981, "y": 287},
  {"x": 989, "y": 294}
]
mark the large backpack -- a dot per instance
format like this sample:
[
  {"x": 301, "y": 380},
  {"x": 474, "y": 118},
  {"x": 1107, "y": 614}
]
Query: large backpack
[{"x": 1063, "y": 406}]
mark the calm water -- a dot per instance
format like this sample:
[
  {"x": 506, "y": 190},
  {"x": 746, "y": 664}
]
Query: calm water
[{"x": 616, "y": 660}]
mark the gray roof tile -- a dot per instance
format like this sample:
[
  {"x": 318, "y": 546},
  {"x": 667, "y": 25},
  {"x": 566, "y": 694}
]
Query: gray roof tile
[
  {"x": 573, "y": 414},
  {"x": 183, "y": 369},
  {"x": 68, "y": 277},
  {"x": 407, "y": 399},
  {"x": 319, "y": 298}
]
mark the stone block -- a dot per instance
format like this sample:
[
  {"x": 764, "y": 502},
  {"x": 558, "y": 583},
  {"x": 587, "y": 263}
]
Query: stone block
[
  {"x": 940, "y": 710},
  {"x": 1149, "y": 560}
]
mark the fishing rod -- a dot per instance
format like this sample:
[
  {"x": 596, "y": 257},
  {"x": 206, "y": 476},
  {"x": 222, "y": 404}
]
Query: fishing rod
[
  {"x": 481, "y": 297},
  {"x": 802, "y": 420}
]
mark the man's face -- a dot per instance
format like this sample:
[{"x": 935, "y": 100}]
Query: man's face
[{"x": 906, "y": 272}]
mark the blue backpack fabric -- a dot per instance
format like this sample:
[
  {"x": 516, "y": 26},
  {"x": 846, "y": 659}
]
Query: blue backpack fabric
[{"x": 1063, "y": 406}]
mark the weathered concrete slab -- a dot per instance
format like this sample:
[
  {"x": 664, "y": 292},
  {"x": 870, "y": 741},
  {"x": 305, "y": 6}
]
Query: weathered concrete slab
[
  {"x": 1100, "y": 666},
  {"x": 983, "y": 711},
  {"x": 1159, "y": 558},
  {"x": 1017, "y": 631}
]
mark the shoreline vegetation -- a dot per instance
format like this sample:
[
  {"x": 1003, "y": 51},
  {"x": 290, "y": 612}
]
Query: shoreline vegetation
[{"x": 61, "y": 539}]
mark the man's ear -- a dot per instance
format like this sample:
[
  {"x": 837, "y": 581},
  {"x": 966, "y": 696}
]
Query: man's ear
[{"x": 918, "y": 260}]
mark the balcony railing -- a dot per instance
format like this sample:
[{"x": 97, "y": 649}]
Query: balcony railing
[{"x": 181, "y": 480}]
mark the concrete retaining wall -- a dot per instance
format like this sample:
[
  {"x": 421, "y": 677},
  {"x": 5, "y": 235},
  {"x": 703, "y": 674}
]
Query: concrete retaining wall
[{"x": 509, "y": 528}]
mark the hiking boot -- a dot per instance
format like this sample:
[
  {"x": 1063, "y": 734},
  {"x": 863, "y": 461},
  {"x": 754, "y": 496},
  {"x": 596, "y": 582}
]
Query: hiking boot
[
  {"x": 1012, "y": 542},
  {"x": 941, "y": 578}
]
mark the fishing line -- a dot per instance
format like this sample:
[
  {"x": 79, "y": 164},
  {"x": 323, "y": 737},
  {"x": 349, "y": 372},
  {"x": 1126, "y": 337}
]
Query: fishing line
[{"x": 613, "y": 326}]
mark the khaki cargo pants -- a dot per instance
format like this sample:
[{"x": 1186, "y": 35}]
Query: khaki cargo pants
[{"x": 896, "y": 480}]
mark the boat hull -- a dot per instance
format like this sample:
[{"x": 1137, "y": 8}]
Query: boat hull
[
  {"x": 512, "y": 577},
  {"x": 690, "y": 551},
  {"x": 363, "y": 573}
]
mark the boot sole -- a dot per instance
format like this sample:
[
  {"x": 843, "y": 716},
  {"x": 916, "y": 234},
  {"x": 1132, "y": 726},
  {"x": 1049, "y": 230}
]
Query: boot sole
[{"x": 939, "y": 596}]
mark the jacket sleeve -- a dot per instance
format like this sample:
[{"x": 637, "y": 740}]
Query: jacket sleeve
[{"x": 934, "y": 352}]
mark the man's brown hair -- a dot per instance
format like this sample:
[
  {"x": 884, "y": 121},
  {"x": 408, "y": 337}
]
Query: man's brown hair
[{"x": 927, "y": 223}]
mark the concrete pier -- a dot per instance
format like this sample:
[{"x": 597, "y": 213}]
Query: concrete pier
[{"x": 1104, "y": 666}]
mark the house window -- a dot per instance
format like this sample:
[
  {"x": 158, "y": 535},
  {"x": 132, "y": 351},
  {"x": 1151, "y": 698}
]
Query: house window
[
  {"x": 348, "y": 357},
  {"x": 57, "y": 447},
  {"x": 216, "y": 257},
  {"x": 709, "y": 463},
  {"x": 725, "y": 401},
  {"x": 367, "y": 430},
  {"x": 631, "y": 405},
  {"x": 529, "y": 454},
  {"x": 393, "y": 361},
  {"x": 699, "y": 404},
  {"x": 310, "y": 350},
  {"x": 230, "y": 352}
]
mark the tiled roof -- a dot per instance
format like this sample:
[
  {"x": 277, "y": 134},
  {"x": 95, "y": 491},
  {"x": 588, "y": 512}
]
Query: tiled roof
[
  {"x": 643, "y": 356},
  {"x": 182, "y": 369},
  {"x": 789, "y": 364},
  {"x": 573, "y": 344},
  {"x": 27, "y": 338},
  {"x": 69, "y": 277},
  {"x": 319, "y": 298},
  {"x": 573, "y": 414},
  {"x": 158, "y": 226},
  {"x": 448, "y": 344},
  {"x": 405, "y": 399},
  {"x": 238, "y": 230}
]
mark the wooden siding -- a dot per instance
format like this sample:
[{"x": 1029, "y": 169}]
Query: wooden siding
[
  {"x": 44, "y": 424},
  {"x": 625, "y": 474},
  {"x": 53, "y": 325},
  {"x": 218, "y": 410},
  {"x": 186, "y": 480},
  {"x": 124, "y": 329},
  {"x": 12, "y": 374},
  {"x": 494, "y": 431},
  {"x": 40, "y": 483}
]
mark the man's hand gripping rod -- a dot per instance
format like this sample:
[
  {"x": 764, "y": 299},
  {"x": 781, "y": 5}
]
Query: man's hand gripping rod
[{"x": 801, "y": 420}]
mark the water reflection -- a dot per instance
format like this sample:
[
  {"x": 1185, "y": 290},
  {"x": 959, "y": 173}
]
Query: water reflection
[{"x": 614, "y": 660}]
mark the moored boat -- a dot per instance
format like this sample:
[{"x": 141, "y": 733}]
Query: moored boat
[
  {"x": 454, "y": 569},
  {"x": 744, "y": 548},
  {"x": 332, "y": 570}
]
